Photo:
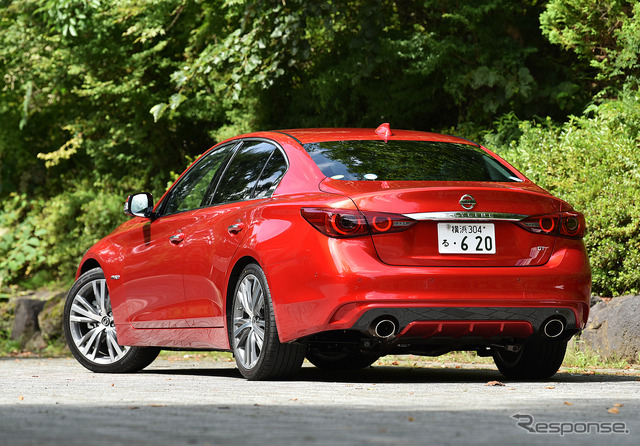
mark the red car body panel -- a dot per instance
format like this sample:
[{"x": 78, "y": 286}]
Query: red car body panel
[
  {"x": 415, "y": 246},
  {"x": 174, "y": 292},
  {"x": 375, "y": 285}
]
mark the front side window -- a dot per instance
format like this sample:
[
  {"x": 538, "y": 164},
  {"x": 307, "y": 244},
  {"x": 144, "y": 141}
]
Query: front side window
[
  {"x": 244, "y": 171},
  {"x": 407, "y": 161},
  {"x": 190, "y": 192}
]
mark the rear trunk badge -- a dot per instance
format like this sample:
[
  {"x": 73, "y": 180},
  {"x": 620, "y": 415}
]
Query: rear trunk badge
[{"x": 467, "y": 202}]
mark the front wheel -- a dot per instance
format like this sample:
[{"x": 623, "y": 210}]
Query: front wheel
[
  {"x": 90, "y": 329},
  {"x": 536, "y": 359},
  {"x": 253, "y": 334}
]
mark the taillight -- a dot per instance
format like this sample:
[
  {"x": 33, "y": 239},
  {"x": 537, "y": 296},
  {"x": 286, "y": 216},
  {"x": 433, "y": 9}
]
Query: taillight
[
  {"x": 344, "y": 223},
  {"x": 383, "y": 223},
  {"x": 565, "y": 224}
]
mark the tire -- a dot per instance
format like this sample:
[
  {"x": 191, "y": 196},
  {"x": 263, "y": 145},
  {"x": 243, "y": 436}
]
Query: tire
[
  {"x": 537, "y": 359},
  {"x": 90, "y": 330},
  {"x": 340, "y": 360},
  {"x": 253, "y": 333}
]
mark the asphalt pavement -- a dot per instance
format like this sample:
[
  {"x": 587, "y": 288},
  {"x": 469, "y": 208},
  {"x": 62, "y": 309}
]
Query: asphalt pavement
[{"x": 195, "y": 401}]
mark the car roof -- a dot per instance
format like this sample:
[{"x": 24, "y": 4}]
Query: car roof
[{"x": 311, "y": 135}]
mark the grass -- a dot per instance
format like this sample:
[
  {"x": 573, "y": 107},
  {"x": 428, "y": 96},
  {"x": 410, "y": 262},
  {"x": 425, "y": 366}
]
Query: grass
[
  {"x": 171, "y": 355},
  {"x": 579, "y": 356},
  {"x": 13, "y": 348},
  {"x": 579, "y": 359},
  {"x": 9, "y": 347},
  {"x": 463, "y": 357}
]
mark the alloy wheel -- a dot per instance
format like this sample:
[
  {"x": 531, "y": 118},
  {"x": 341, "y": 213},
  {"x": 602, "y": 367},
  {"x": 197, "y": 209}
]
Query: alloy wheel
[
  {"x": 249, "y": 321},
  {"x": 91, "y": 324}
]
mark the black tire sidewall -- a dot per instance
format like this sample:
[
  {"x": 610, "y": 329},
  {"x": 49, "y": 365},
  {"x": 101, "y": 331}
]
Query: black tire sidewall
[{"x": 538, "y": 359}]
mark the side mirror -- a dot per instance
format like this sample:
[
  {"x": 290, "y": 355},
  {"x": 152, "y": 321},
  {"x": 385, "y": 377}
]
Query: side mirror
[{"x": 139, "y": 205}]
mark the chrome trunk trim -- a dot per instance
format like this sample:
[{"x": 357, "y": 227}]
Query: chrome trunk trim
[{"x": 468, "y": 216}]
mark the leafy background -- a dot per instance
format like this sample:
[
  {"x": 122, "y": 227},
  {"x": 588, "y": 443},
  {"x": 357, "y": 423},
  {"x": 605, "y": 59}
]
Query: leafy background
[{"x": 100, "y": 98}]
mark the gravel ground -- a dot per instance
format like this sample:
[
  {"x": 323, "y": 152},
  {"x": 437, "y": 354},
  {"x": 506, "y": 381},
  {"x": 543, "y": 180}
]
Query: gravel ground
[{"x": 198, "y": 401}]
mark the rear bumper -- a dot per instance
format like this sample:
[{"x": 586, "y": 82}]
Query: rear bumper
[
  {"x": 469, "y": 322},
  {"x": 342, "y": 285}
]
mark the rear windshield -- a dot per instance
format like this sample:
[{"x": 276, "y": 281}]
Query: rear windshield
[{"x": 406, "y": 161}]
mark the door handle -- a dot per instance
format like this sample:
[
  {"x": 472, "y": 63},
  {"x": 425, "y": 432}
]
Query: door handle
[
  {"x": 176, "y": 238},
  {"x": 235, "y": 228}
]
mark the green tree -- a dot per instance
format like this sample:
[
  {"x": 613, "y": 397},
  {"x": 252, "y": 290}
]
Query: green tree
[
  {"x": 103, "y": 97},
  {"x": 606, "y": 34},
  {"x": 78, "y": 90},
  {"x": 425, "y": 65},
  {"x": 76, "y": 134}
]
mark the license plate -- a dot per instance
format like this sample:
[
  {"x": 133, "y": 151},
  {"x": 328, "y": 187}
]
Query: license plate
[{"x": 466, "y": 238}]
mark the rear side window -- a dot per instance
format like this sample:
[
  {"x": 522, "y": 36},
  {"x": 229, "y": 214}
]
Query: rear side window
[
  {"x": 407, "y": 161},
  {"x": 241, "y": 177},
  {"x": 271, "y": 175}
]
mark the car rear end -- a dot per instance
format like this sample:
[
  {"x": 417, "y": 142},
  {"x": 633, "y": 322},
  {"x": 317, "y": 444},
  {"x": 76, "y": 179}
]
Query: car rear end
[{"x": 440, "y": 246}]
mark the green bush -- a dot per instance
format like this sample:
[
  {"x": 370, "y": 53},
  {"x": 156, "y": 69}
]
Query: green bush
[
  {"x": 46, "y": 238},
  {"x": 76, "y": 220},
  {"x": 6, "y": 324},
  {"x": 593, "y": 162},
  {"x": 21, "y": 247}
]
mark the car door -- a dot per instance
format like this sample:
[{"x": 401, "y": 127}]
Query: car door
[
  {"x": 154, "y": 250},
  {"x": 213, "y": 238}
]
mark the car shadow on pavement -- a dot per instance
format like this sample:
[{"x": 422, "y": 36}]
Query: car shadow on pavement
[{"x": 400, "y": 374}]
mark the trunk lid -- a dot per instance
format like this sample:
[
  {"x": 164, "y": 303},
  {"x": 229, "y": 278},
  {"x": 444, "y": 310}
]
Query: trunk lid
[{"x": 443, "y": 228}]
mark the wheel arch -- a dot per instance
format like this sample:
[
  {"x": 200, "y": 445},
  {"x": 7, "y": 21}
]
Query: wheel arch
[{"x": 87, "y": 265}]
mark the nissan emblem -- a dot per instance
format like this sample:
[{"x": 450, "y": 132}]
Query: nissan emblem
[{"x": 467, "y": 202}]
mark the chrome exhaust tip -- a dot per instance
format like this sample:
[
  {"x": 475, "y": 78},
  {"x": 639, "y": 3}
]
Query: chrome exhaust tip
[
  {"x": 553, "y": 328},
  {"x": 383, "y": 328}
]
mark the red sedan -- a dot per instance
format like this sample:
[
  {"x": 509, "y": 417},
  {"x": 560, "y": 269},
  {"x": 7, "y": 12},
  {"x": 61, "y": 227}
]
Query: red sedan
[{"x": 341, "y": 246}]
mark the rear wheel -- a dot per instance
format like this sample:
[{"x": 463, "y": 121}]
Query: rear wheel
[
  {"x": 537, "y": 359},
  {"x": 254, "y": 336},
  {"x": 90, "y": 329},
  {"x": 340, "y": 360}
]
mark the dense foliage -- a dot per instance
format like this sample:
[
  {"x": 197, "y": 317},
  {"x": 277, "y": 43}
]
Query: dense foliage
[
  {"x": 593, "y": 162},
  {"x": 103, "y": 97}
]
